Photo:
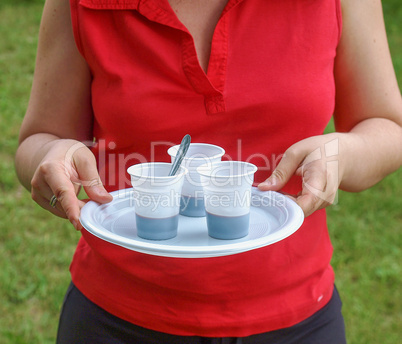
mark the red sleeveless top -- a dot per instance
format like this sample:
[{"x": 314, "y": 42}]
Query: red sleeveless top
[{"x": 269, "y": 84}]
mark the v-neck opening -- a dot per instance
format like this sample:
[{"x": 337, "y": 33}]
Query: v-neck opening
[{"x": 209, "y": 83}]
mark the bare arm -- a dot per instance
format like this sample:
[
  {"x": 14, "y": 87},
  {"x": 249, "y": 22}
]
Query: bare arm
[
  {"x": 58, "y": 119},
  {"x": 368, "y": 117},
  {"x": 368, "y": 102}
]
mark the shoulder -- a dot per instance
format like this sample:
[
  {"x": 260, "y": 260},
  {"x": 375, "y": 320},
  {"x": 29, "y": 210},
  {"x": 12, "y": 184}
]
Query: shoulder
[
  {"x": 60, "y": 94},
  {"x": 366, "y": 84}
]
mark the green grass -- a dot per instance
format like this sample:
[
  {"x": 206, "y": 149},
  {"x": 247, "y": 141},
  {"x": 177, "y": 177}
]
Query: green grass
[
  {"x": 36, "y": 247},
  {"x": 365, "y": 230}
]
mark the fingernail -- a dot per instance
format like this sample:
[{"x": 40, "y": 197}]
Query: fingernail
[
  {"x": 268, "y": 182},
  {"x": 75, "y": 224},
  {"x": 265, "y": 184},
  {"x": 100, "y": 190}
]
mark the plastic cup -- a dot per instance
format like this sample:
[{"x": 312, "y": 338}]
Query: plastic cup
[
  {"x": 156, "y": 199},
  {"x": 227, "y": 197},
  {"x": 192, "y": 197}
]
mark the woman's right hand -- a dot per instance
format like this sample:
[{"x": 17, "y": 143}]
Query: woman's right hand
[
  {"x": 51, "y": 158},
  {"x": 67, "y": 165}
]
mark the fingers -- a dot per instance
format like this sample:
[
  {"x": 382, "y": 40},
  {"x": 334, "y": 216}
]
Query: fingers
[
  {"x": 320, "y": 180},
  {"x": 51, "y": 179},
  {"x": 45, "y": 203},
  {"x": 60, "y": 174},
  {"x": 64, "y": 191},
  {"x": 286, "y": 168},
  {"x": 89, "y": 178},
  {"x": 313, "y": 195}
]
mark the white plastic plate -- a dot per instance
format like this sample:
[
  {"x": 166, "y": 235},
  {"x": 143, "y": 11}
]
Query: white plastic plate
[{"x": 273, "y": 217}]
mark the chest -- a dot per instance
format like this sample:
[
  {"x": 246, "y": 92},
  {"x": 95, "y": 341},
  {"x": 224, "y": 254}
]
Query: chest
[
  {"x": 269, "y": 81},
  {"x": 200, "y": 18}
]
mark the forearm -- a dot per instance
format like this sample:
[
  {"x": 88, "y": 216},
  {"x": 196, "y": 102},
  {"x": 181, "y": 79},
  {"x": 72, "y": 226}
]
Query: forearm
[
  {"x": 369, "y": 152},
  {"x": 30, "y": 153}
]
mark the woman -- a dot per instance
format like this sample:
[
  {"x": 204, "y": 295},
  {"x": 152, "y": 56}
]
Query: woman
[{"x": 117, "y": 82}]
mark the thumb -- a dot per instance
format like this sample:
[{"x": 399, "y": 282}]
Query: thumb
[
  {"x": 85, "y": 164},
  {"x": 286, "y": 168},
  {"x": 97, "y": 192}
]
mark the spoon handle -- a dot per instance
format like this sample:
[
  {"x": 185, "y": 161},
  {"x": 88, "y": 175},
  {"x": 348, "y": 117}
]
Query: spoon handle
[{"x": 185, "y": 143}]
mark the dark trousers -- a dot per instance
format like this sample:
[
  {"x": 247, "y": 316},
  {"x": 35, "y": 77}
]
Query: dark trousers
[{"x": 83, "y": 322}]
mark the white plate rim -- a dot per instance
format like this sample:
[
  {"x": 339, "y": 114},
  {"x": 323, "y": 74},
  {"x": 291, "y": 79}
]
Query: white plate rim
[{"x": 293, "y": 221}]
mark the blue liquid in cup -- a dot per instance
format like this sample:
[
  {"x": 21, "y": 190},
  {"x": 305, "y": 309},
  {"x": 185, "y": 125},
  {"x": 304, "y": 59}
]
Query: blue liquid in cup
[
  {"x": 157, "y": 229},
  {"x": 192, "y": 206},
  {"x": 228, "y": 227}
]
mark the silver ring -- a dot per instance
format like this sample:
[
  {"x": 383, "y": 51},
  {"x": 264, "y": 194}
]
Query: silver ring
[{"x": 53, "y": 201}]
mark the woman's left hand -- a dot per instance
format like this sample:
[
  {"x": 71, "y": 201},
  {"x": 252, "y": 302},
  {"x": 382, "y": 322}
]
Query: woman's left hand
[
  {"x": 367, "y": 117},
  {"x": 316, "y": 161}
]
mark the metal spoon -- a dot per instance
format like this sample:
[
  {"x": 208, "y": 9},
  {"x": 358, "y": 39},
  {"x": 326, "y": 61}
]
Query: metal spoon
[{"x": 185, "y": 143}]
